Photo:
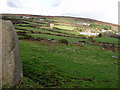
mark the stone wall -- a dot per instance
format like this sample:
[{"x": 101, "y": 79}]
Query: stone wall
[{"x": 11, "y": 61}]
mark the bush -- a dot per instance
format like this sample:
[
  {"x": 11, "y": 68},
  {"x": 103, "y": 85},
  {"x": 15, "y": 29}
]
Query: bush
[
  {"x": 81, "y": 29},
  {"x": 100, "y": 35},
  {"x": 63, "y": 41},
  {"x": 90, "y": 38}
]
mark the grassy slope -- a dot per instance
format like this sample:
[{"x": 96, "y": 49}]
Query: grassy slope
[
  {"x": 53, "y": 65},
  {"x": 35, "y": 29},
  {"x": 28, "y": 83},
  {"x": 66, "y": 27},
  {"x": 56, "y": 37},
  {"x": 24, "y": 83},
  {"x": 106, "y": 39},
  {"x": 56, "y": 66}
]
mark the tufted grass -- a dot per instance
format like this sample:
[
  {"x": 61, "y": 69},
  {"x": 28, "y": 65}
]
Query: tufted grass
[
  {"x": 62, "y": 66},
  {"x": 107, "y": 39}
]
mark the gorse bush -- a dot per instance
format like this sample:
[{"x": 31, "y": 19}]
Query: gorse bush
[
  {"x": 100, "y": 35},
  {"x": 90, "y": 38},
  {"x": 63, "y": 41}
]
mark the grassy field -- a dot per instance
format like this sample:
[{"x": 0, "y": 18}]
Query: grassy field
[
  {"x": 54, "y": 65},
  {"x": 56, "y": 37},
  {"x": 35, "y": 29},
  {"x": 21, "y": 24},
  {"x": 69, "y": 32},
  {"x": 66, "y": 27},
  {"x": 107, "y": 39}
]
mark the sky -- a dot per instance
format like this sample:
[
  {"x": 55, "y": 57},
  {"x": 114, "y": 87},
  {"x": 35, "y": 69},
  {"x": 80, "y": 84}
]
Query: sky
[{"x": 103, "y": 10}]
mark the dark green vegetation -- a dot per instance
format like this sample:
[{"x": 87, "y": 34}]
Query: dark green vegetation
[
  {"x": 100, "y": 35},
  {"x": 60, "y": 57},
  {"x": 106, "y": 27}
]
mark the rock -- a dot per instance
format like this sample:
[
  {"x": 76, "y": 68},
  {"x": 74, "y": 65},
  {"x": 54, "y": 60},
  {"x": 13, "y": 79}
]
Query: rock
[
  {"x": 38, "y": 82},
  {"x": 114, "y": 57},
  {"x": 48, "y": 39},
  {"x": 54, "y": 41},
  {"x": 0, "y": 54},
  {"x": 11, "y": 61},
  {"x": 68, "y": 48}
]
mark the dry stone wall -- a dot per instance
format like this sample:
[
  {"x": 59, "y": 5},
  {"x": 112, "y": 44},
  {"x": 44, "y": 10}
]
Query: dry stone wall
[{"x": 11, "y": 61}]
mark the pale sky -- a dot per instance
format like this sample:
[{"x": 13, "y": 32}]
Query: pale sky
[{"x": 103, "y": 10}]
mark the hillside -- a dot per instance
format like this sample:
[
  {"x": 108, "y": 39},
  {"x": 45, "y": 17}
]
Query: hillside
[
  {"x": 66, "y": 52},
  {"x": 100, "y": 22}
]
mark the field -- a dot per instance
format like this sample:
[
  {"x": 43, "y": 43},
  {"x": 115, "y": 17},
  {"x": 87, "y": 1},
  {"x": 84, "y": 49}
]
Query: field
[
  {"x": 107, "y": 39},
  {"x": 83, "y": 62},
  {"x": 68, "y": 67}
]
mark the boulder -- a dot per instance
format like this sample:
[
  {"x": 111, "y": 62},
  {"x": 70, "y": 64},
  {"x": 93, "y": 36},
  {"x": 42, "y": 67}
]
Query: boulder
[
  {"x": 10, "y": 61},
  {"x": 0, "y": 54}
]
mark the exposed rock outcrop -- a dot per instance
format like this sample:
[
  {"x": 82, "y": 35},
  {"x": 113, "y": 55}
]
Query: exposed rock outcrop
[{"x": 11, "y": 61}]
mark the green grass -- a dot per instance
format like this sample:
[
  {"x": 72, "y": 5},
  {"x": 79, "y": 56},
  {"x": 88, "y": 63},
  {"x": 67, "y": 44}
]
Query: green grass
[
  {"x": 35, "y": 22},
  {"x": 57, "y": 66},
  {"x": 26, "y": 83},
  {"x": 68, "y": 32},
  {"x": 19, "y": 36},
  {"x": 56, "y": 37},
  {"x": 21, "y": 24},
  {"x": 63, "y": 66},
  {"x": 45, "y": 31},
  {"x": 66, "y": 27},
  {"x": 20, "y": 30},
  {"x": 29, "y": 28},
  {"x": 29, "y": 83},
  {"x": 41, "y": 30},
  {"x": 61, "y": 19},
  {"x": 107, "y": 39}
]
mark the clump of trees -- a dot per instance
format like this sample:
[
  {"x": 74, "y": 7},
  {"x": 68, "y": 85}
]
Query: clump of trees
[{"x": 63, "y": 41}]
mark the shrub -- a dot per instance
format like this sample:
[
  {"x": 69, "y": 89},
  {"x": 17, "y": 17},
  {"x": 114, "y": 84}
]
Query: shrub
[
  {"x": 90, "y": 38},
  {"x": 82, "y": 29},
  {"x": 100, "y": 35},
  {"x": 63, "y": 41}
]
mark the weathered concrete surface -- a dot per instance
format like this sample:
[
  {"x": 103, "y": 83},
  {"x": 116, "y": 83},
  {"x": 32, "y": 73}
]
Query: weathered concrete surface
[
  {"x": 0, "y": 54},
  {"x": 11, "y": 61}
]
